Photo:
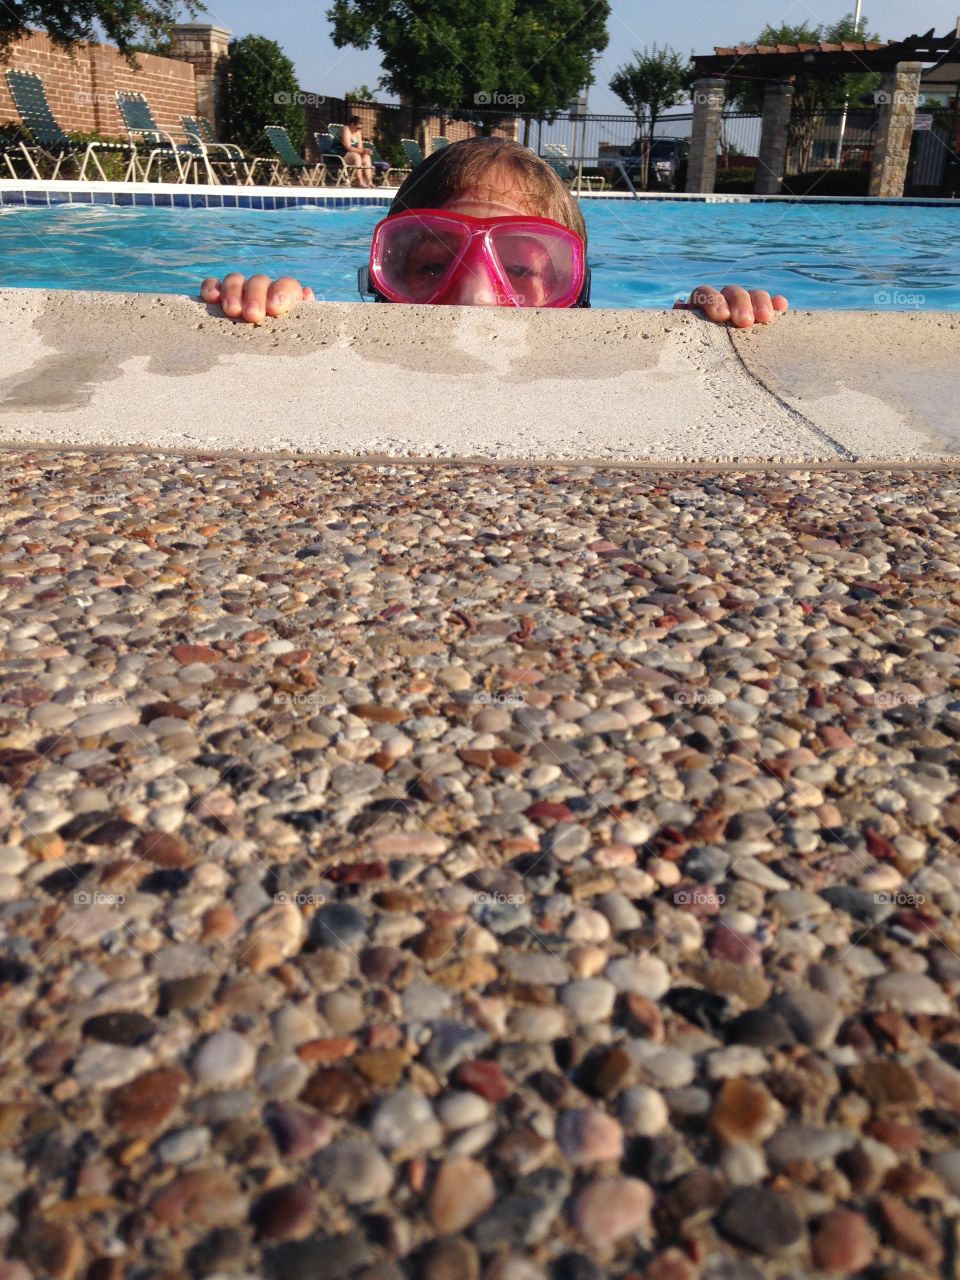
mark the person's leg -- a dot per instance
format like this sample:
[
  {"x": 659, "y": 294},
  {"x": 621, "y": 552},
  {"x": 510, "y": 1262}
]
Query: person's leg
[
  {"x": 353, "y": 161},
  {"x": 367, "y": 169}
]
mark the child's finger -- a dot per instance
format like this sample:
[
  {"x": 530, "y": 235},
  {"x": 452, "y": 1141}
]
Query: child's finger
[
  {"x": 711, "y": 302},
  {"x": 741, "y": 307},
  {"x": 255, "y": 299},
  {"x": 762, "y": 306},
  {"x": 282, "y": 295},
  {"x": 210, "y": 289},
  {"x": 231, "y": 295}
]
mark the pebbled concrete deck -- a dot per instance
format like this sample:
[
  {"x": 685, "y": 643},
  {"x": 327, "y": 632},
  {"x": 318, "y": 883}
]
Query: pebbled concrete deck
[{"x": 351, "y": 379}]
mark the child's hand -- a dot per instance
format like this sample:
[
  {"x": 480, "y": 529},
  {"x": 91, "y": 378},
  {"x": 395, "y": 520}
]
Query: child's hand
[
  {"x": 253, "y": 299},
  {"x": 734, "y": 305}
]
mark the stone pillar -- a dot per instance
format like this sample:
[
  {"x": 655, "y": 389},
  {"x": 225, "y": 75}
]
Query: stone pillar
[
  {"x": 898, "y": 97},
  {"x": 207, "y": 47},
  {"x": 708, "y": 98},
  {"x": 774, "y": 136}
]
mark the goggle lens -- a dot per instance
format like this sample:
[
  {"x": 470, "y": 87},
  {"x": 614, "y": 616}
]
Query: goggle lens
[{"x": 530, "y": 262}]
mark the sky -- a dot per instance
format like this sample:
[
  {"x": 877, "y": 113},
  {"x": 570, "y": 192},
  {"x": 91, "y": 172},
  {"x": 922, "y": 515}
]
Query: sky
[{"x": 689, "y": 26}]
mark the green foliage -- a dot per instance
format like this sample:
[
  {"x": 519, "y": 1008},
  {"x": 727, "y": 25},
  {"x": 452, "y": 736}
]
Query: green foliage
[
  {"x": 656, "y": 80},
  {"x": 828, "y": 182},
  {"x": 505, "y": 57},
  {"x": 813, "y": 92},
  {"x": 363, "y": 94},
  {"x": 71, "y": 22},
  {"x": 735, "y": 180},
  {"x": 263, "y": 90},
  {"x": 739, "y": 180},
  {"x": 114, "y": 162},
  {"x": 162, "y": 48}
]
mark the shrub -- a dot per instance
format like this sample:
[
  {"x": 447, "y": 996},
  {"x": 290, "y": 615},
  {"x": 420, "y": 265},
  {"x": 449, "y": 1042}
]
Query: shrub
[
  {"x": 829, "y": 182},
  {"x": 114, "y": 162},
  {"x": 735, "y": 181},
  {"x": 263, "y": 90}
]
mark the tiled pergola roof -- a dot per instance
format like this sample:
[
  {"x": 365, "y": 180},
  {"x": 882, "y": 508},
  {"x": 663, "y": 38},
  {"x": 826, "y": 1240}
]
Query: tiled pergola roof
[
  {"x": 780, "y": 61},
  {"x": 847, "y": 46}
]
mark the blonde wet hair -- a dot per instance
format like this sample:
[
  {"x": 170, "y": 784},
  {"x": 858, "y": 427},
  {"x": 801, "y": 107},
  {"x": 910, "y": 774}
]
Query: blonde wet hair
[{"x": 463, "y": 165}]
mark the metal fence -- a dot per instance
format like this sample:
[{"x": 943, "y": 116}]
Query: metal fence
[{"x": 815, "y": 142}]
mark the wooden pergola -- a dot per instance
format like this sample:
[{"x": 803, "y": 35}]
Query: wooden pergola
[
  {"x": 900, "y": 64},
  {"x": 782, "y": 61}
]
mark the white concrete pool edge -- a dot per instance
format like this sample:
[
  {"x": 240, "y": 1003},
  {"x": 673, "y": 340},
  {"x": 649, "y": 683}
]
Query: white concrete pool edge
[
  {"x": 39, "y": 189},
  {"x": 354, "y": 379}
]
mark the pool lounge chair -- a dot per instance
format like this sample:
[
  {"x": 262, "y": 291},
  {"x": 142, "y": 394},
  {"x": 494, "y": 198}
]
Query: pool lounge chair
[
  {"x": 437, "y": 144},
  {"x": 384, "y": 168},
  {"x": 46, "y": 137},
  {"x": 310, "y": 175},
  {"x": 331, "y": 159},
  {"x": 232, "y": 159},
  {"x": 141, "y": 126},
  {"x": 411, "y": 149},
  {"x": 555, "y": 154}
]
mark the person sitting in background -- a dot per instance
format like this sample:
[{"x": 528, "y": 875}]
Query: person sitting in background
[
  {"x": 483, "y": 223},
  {"x": 349, "y": 145}
]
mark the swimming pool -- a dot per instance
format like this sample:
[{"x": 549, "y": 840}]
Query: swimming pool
[{"x": 849, "y": 256}]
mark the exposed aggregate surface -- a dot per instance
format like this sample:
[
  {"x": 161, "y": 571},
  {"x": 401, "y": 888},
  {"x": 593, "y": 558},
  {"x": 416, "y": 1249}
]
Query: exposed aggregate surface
[{"x": 446, "y": 872}]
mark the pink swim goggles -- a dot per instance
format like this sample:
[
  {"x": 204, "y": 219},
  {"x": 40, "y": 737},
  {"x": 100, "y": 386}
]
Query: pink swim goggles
[{"x": 424, "y": 255}]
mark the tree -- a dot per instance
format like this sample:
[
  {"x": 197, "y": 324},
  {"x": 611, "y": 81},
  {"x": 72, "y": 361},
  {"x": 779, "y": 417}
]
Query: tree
[
  {"x": 263, "y": 90},
  {"x": 507, "y": 56},
  {"x": 813, "y": 92},
  {"x": 363, "y": 94},
  {"x": 70, "y": 22},
  {"x": 655, "y": 81}
]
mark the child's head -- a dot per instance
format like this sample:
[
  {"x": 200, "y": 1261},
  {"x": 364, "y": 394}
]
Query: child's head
[
  {"x": 490, "y": 172},
  {"x": 483, "y": 187}
]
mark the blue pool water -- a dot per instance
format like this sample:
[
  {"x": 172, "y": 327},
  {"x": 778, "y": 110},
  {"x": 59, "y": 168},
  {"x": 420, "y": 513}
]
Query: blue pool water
[{"x": 848, "y": 256}]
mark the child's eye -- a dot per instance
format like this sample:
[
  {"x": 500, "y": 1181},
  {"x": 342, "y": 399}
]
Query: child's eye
[{"x": 432, "y": 270}]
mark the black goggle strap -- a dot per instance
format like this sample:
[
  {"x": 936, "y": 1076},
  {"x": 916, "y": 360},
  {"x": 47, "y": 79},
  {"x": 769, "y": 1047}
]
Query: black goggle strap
[{"x": 367, "y": 290}]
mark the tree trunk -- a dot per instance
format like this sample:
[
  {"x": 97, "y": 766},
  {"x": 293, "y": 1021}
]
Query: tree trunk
[{"x": 648, "y": 147}]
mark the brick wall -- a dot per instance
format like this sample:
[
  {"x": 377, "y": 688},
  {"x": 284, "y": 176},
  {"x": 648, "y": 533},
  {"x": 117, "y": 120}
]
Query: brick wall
[{"x": 81, "y": 86}]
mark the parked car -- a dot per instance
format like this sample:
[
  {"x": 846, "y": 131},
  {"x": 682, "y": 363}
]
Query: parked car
[{"x": 669, "y": 158}]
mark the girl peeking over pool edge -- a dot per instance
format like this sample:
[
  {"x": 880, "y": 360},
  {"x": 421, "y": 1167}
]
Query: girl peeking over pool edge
[{"x": 483, "y": 223}]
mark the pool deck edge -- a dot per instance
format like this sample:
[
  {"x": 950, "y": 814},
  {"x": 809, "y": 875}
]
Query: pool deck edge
[{"x": 351, "y": 381}]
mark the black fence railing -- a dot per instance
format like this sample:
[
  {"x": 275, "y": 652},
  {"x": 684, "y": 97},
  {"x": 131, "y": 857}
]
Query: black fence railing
[{"x": 825, "y": 143}]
